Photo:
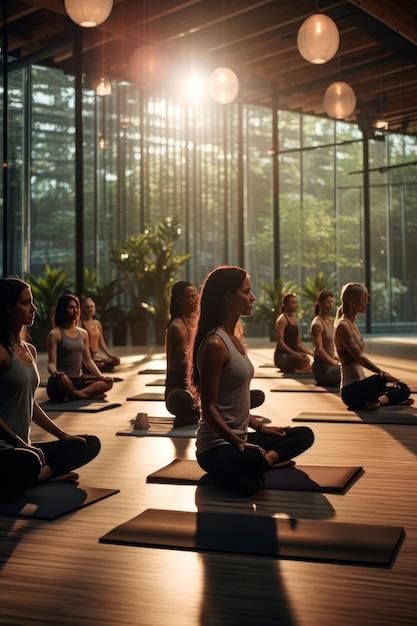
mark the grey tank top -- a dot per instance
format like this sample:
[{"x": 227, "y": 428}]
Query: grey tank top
[
  {"x": 233, "y": 401},
  {"x": 328, "y": 337},
  {"x": 17, "y": 390},
  {"x": 70, "y": 354}
]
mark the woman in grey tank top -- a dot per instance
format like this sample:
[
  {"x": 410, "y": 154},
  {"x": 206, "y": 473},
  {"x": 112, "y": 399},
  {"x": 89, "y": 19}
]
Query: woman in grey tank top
[
  {"x": 359, "y": 391},
  {"x": 220, "y": 373},
  {"x": 326, "y": 367},
  {"x": 23, "y": 463}
]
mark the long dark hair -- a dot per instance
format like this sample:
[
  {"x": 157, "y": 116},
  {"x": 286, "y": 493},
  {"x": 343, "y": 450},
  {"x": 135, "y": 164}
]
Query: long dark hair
[
  {"x": 60, "y": 315},
  {"x": 176, "y": 293},
  {"x": 211, "y": 311},
  {"x": 321, "y": 297},
  {"x": 10, "y": 290}
]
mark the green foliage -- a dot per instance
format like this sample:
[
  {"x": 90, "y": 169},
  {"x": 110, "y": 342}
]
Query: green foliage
[
  {"x": 46, "y": 290},
  {"x": 149, "y": 264},
  {"x": 386, "y": 299},
  {"x": 311, "y": 288}
]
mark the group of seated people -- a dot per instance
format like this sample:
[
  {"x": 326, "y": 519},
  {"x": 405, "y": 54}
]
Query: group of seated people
[
  {"x": 338, "y": 357},
  {"x": 291, "y": 356},
  {"x": 208, "y": 380}
]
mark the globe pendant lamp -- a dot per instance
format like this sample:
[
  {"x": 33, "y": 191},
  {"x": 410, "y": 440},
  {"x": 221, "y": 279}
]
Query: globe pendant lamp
[
  {"x": 339, "y": 100},
  {"x": 318, "y": 39},
  {"x": 223, "y": 85},
  {"x": 88, "y": 13}
]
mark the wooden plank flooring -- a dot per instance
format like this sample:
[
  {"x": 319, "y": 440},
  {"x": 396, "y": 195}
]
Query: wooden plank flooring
[{"x": 57, "y": 572}]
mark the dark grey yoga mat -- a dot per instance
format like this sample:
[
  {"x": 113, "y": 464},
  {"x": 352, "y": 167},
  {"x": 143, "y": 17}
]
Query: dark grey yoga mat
[
  {"x": 51, "y": 500},
  {"x": 262, "y": 536},
  {"x": 388, "y": 415},
  {"x": 150, "y": 396},
  {"x": 160, "y": 427},
  {"x": 79, "y": 406},
  {"x": 284, "y": 385},
  {"x": 159, "y": 382},
  {"x": 153, "y": 371},
  {"x": 324, "y": 479}
]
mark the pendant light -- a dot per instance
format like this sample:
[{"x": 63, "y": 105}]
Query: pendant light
[
  {"x": 103, "y": 87},
  {"x": 223, "y": 85},
  {"x": 88, "y": 13},
  {"x": 318, "y": 39},
  {"x": 339, "y": 100}
]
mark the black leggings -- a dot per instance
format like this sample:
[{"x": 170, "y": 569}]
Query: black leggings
[
  {"x": 242, "y": 472},
  {"x": 370, "y": 389},
  {"x": 19, "y": 467}
]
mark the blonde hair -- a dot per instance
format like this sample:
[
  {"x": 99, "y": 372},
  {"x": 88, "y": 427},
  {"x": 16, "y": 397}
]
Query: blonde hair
[{"x": 350, "y": 293}]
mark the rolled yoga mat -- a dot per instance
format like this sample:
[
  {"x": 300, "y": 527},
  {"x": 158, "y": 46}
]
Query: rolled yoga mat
[
  {"x": 324, "y": 479},
  {"x": 366, "y": 544},
  {"x": 51, "y": 500}
]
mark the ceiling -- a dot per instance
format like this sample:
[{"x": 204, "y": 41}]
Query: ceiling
[{"x": 377, "y": 55}]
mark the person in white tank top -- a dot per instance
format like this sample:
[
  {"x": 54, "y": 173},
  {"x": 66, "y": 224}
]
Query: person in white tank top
[{"x": 359, "y": 391}]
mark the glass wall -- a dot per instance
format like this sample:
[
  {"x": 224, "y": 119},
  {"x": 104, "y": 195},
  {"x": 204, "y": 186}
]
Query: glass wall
[{"x": 148, "y": 156}]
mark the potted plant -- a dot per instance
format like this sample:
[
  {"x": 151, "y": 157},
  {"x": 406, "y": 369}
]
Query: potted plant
[
  {"x": 311, "y": 288},
  {"x": 149, "y": 264},
  {"x": 46, "y": 290}
]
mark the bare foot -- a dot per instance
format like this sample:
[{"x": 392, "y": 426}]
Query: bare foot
[
  {"x": 71, "y": 477},
  {"x": 371, "y": 406},
  {"x": 282, "y": 464},
  {"x": 407, "y": 402}
]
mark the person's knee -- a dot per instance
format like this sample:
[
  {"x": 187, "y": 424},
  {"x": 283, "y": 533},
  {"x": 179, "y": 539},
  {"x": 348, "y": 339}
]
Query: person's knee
[
  {"x": 108, "y": 383},
  {"x": 94, "y": 443}
]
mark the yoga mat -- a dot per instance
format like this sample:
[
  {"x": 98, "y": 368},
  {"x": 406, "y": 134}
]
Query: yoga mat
[
  {"x": 159, "y": 382},
  {"x": 51, "y": 500},
  {"x": 147, "y": 396},
  {"x": 323, "y": 479},
  {"x": 340, "y": 542},
  {"x": 160, "y": 427},
  {"x": 44, "y": 383},
  {"x": 295, "y": 385},
  {"x": 79, "y": 406},
  {"x": 152, "y": 371},
  {"x": 390, "y": 415}
]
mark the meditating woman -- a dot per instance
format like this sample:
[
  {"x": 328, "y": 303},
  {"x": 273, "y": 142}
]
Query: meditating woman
[
  {"x": 291, "y": 356},
  {"x": 96, "y": 340},
  {"x": 220, "y": 373},
  {"x": 326, "y": 367},
  {"x": 68, "y": 351},
  {"x": 23, "y": 463},
  {"x": 357, "y": 390},
  {"x": 184, "y": 300}
]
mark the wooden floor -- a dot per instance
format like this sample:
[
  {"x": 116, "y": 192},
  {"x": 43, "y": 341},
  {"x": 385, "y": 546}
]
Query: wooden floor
[{"x": 58, "y": 573}]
